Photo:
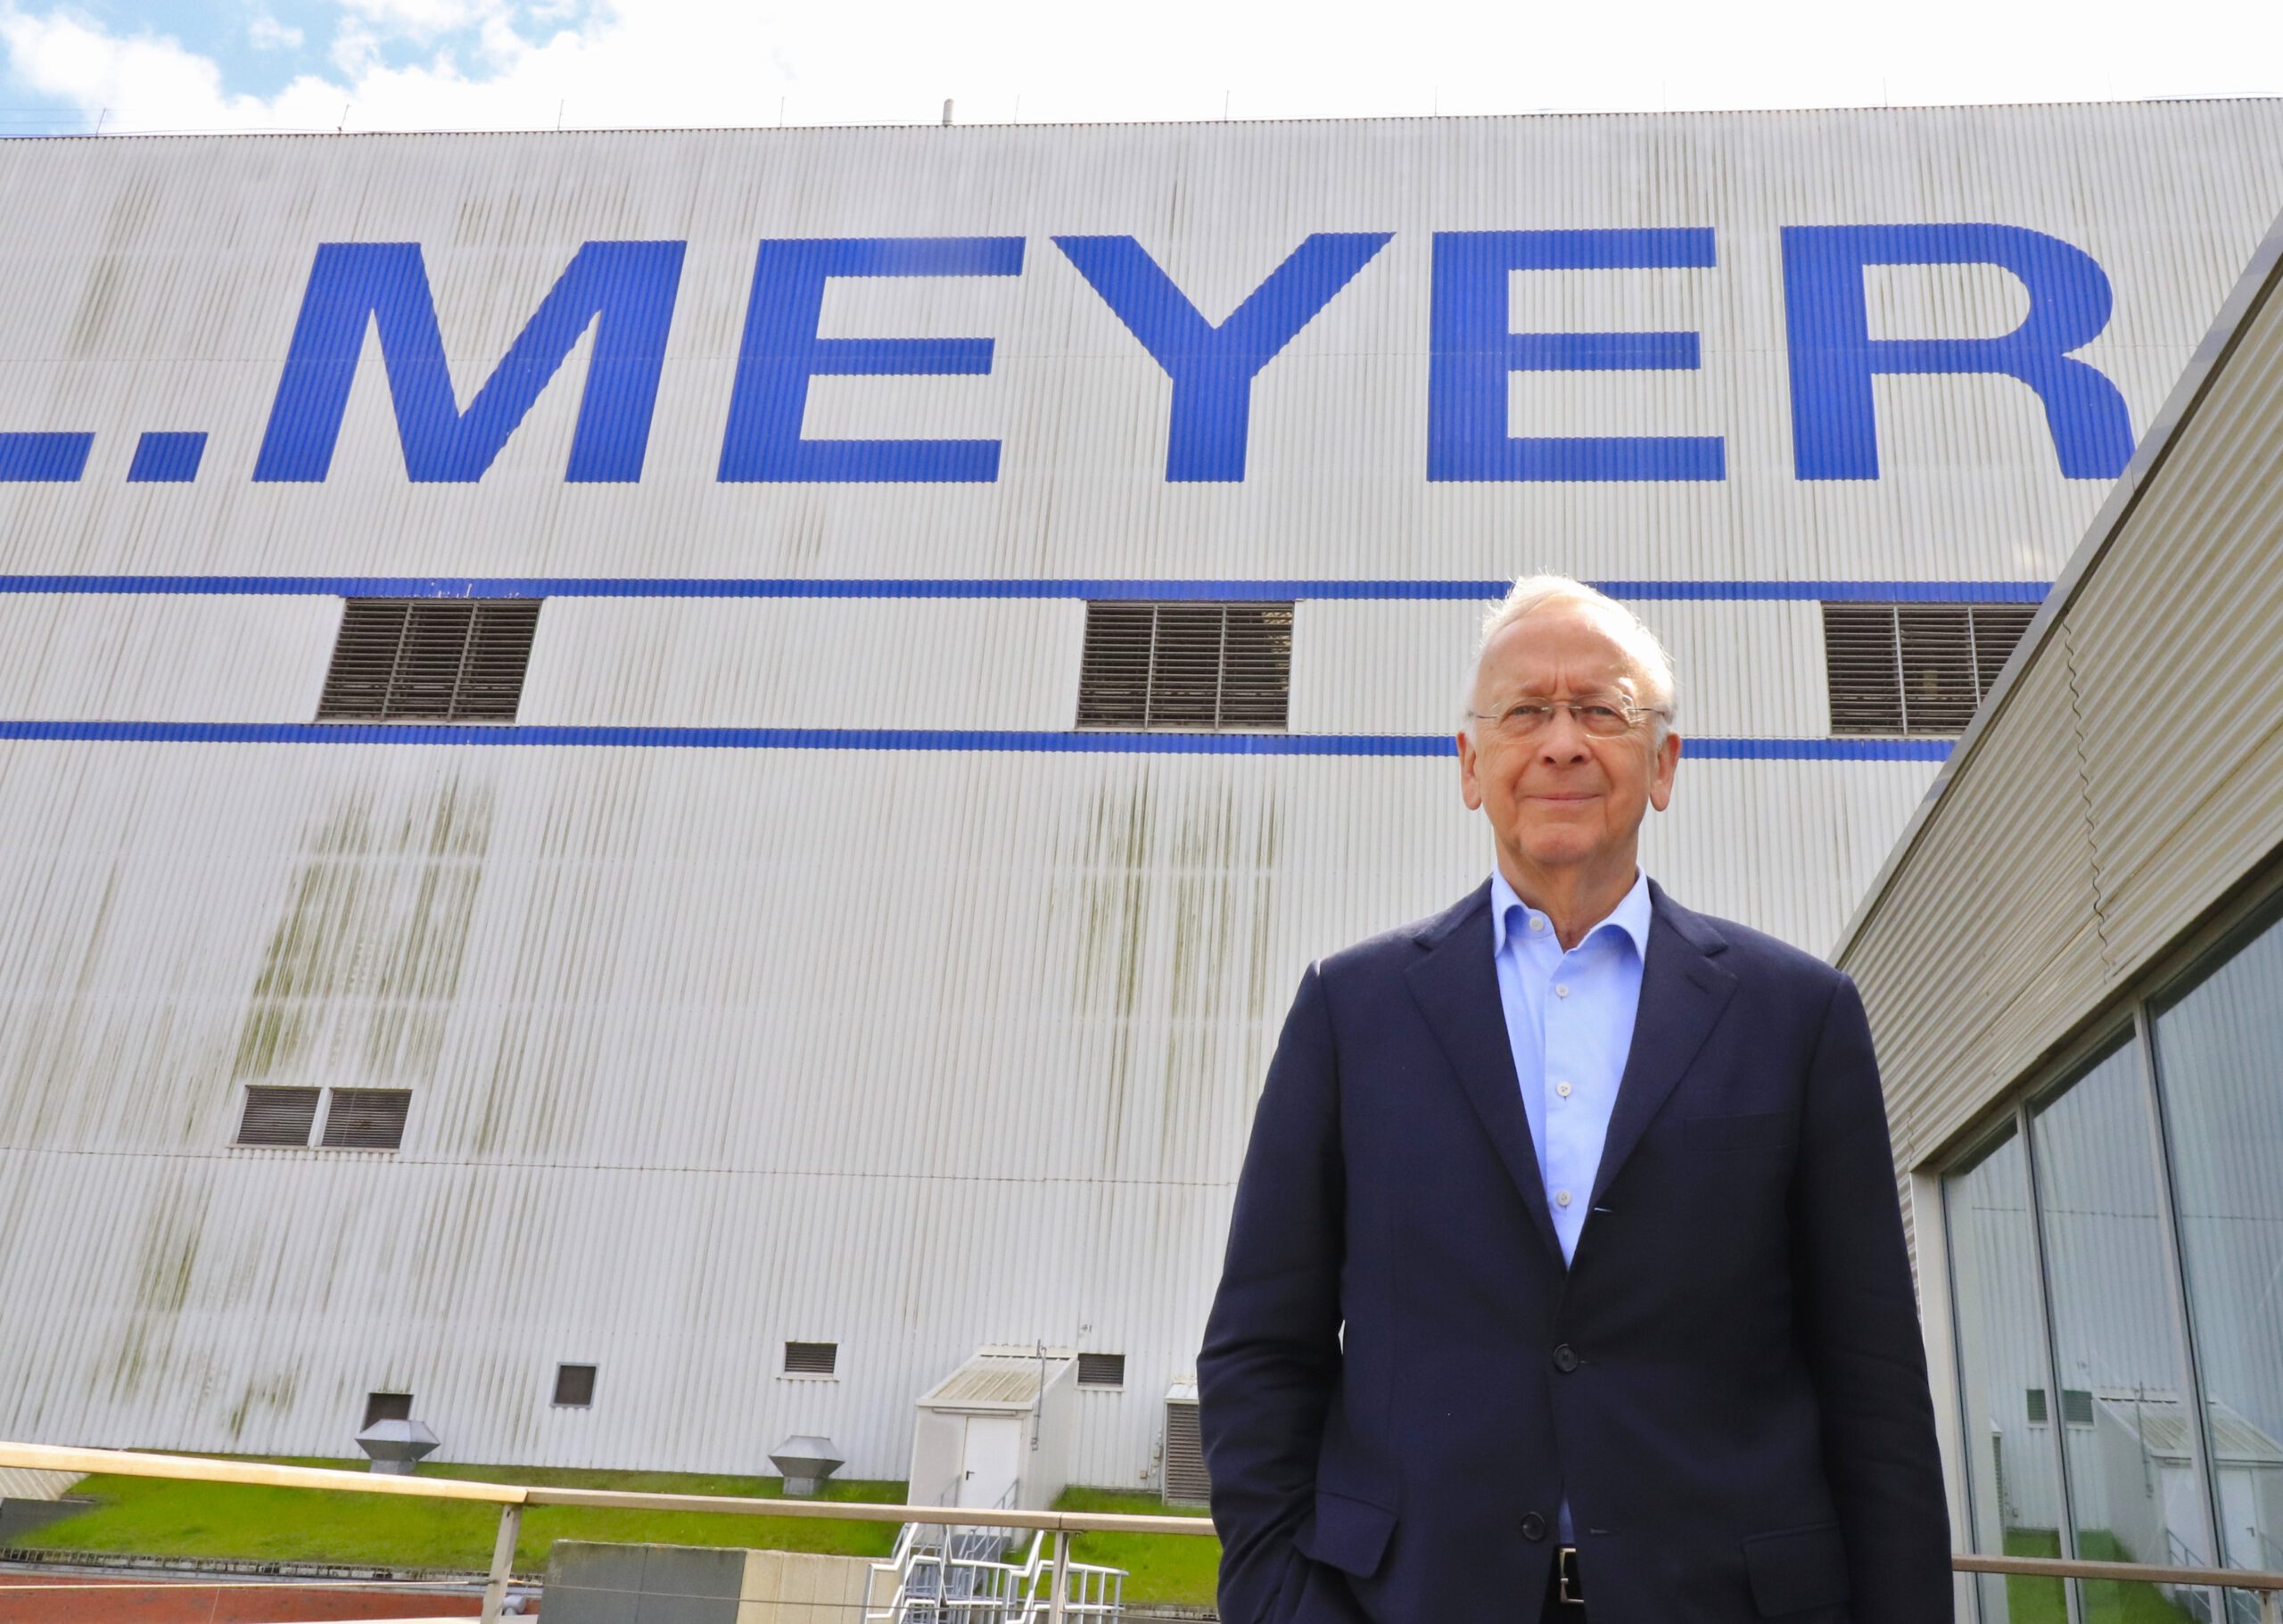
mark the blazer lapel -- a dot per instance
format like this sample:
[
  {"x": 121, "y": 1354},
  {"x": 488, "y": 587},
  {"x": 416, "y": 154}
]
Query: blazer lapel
[
  {"x": 1455, "y": 984},
  {"x": 1682, "y": 992}
]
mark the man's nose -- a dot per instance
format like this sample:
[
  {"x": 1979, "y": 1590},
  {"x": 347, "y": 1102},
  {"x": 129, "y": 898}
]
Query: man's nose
[{"x": 1564, "y": 740}]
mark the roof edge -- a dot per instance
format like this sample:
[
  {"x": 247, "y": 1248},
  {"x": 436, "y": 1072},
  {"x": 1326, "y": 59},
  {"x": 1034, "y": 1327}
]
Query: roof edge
[{"x": 2243, "y": 304}]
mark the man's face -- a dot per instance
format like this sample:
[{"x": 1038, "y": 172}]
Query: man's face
[{"x": 1567, "y": 797}]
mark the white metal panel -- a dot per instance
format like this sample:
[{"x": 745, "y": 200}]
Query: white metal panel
[
  {"x": 86, "y": 657},
  {"x": 1743, "y": 669},
  {"x": 806, "y": 663}
]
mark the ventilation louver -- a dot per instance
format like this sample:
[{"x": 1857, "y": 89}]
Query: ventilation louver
[
  {"x": 811, "y": 1358},
  {"x": 1186, "y": 1482},
  {"x": 1195, "y": 668},
  {"x": 574, "y": 1385},
  {"x": 1101, "y": 1370},
  {"x": 1915, "y": 668},
  {"x": 367, "y": 1118},
  {"x": 278, "y": 1116},
  {"x": 430, "y": 660}
]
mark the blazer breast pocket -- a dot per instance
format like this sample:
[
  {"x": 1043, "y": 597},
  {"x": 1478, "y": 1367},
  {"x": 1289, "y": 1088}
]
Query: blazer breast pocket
[{"x": 1754, "y": 1131}]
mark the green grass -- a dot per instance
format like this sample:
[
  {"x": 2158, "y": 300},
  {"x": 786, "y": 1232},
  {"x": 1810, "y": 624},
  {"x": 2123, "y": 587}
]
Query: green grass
[
  {"x": 157, "y": 1517},
  {"x": 2038, "y": 1601},
  {"x": 1175, "y": 1568}
]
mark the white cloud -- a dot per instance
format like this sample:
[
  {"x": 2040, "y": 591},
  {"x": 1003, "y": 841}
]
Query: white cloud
[
  {"x": 711, "y": 61},
  {"x": 265, "y": 33}
]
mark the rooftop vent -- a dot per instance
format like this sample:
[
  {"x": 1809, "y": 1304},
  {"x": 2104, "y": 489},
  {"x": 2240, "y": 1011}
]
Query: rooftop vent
[
  {"x": 1194, "y": 668},
  {"x": 805, "y": 1461},
  {"x": 1915, "y": 668},
  {"x": 430, "y": 660}
]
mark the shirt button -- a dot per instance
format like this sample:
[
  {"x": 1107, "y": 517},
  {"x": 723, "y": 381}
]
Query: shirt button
[
  {"x": 1565, "y": 1358},
  {"x": 1533, "y": 1526},
  {"x": 1561, "y": 989},
  {"x": 1562, "y": 1197},
  {"x": 1563, "y": 1089},
  {"x": 1536, "y": 923}
]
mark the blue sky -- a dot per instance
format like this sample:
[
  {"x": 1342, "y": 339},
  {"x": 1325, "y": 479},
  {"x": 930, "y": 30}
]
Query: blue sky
[{"x": 426, "y": 64}]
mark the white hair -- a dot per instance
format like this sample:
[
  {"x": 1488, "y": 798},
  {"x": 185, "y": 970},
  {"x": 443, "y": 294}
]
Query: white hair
[{"x": 1650, "y": 664}]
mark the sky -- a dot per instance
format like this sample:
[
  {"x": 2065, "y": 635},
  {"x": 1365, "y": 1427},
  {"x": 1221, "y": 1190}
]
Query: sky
[{"x": 121, "y": 66}]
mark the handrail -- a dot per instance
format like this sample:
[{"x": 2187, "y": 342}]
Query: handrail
[
  {"x": 202, "y": 1469},
  {"x": 2135, "y": 1573},
  {"x": 512, "y": 1498}
]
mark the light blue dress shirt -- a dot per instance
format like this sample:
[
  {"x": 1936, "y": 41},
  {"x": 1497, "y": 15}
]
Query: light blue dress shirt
[{"x": 1570, "y": 1022}]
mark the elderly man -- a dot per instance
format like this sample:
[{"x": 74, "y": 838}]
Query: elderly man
[{"x": 1566, "y": 1277}]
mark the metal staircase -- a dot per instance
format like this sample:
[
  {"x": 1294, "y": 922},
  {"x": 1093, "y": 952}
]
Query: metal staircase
[{"x": 958, "y": 1573}]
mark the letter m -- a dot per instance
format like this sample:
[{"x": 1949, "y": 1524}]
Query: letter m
[{"x": 624, "y": 289}]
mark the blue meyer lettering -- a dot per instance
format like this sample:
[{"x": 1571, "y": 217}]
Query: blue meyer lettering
[
  {"x": 1213, "y": 366},
  {"x": 781, "y": 352},
  {"x": 626, "y": 289},
  {"x": 1473, "y": 349},
  {"x": 1834, "y": 427}
]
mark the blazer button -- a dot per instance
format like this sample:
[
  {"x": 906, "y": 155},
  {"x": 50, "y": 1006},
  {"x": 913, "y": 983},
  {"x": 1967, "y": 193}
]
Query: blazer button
[
  {"x": 1565, "y": 1358},
  {"x": 1533, "y": 1526}
]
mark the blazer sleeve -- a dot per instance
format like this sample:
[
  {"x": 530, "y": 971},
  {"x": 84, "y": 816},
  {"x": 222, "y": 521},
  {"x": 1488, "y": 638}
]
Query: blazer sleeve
[
  {"x": 1271, "y": 1363},
  {"x": 1859, "y": 1329}
]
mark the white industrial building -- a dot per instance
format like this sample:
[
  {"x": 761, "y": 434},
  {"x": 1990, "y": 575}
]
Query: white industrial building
[{"x": 781, "y": 909}]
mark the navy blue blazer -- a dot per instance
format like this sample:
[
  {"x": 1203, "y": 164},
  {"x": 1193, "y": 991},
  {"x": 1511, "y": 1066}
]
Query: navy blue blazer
[{"x": 1401, "y": 1380}]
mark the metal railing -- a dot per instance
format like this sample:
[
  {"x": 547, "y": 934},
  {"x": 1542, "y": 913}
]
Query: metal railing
[{"x": 512, "y": 1498}]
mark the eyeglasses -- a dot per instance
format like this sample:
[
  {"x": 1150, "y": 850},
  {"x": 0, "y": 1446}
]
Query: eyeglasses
[{"x": 1600, "y": 716}]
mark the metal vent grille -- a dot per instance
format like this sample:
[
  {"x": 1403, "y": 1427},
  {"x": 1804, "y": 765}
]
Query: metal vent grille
[
  {"x": 1101, "y": 1370},
  {"x": 367, "y": 1118},
  {"x": 278, "y": 1117},
  {"x": 429, "y": 659},
  {"x": 811, "y": 1358},
  {"x": 1186, "y": 1482},
  {"x": 1192, "y": 668},
  {"x": 1915, "y": 668},
  {"x": 574, "y": 1385}
]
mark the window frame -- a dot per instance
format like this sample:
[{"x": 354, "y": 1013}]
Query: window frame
[{"x": 2127, "y": 1017}]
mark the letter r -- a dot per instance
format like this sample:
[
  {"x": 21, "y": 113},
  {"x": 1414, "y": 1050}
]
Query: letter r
[{"x": 1834, "y": 426}]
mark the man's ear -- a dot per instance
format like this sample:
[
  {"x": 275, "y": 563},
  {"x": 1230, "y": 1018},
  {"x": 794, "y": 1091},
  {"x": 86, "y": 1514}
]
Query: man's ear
[
  {"x": 1660, "y": 771},
  {"x": 1469, "y": 786}
]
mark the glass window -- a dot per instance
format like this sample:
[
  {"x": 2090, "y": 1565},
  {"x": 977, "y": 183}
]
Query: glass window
[
  {"x": 2124, "y": 1419},
  {"x": 2013, "y": 1488},
  {"x": 2219, "y": 1055}
]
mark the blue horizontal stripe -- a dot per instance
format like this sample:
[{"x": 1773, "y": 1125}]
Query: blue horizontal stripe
[
  {"x": 1261, "y": 591},
  {"x": 912, "y": 739}
]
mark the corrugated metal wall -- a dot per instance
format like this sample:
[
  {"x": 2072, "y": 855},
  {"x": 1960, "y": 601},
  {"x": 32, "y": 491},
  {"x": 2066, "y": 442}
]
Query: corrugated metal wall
[
  {"x": 904, "y": 1049},
  {"x": 2095, "y": 821}
]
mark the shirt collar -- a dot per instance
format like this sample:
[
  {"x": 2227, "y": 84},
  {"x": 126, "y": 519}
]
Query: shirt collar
[{"x": 1630, "y": 916}]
